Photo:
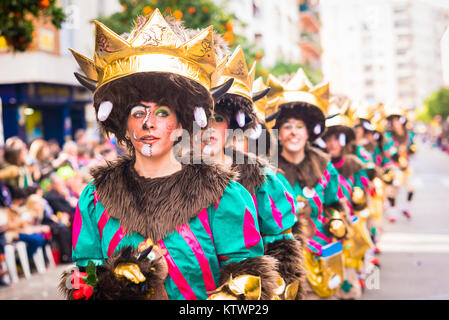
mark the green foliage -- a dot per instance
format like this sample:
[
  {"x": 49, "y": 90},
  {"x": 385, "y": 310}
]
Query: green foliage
[
  {"x": 196, "y": 14},
  {"x": 91, "y": 278},
  {"x": 438, "y": 103},
  {"x": 282, "y": 67},
  {"x": 16, "y": 20}
]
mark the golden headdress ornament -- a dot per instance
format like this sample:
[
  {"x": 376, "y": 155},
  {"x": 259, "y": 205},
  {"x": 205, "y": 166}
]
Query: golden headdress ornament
[
  {"x": 152, "y": 48},
  {"x": 298, "y": 89},
  {"x": 338, "y": 114}
]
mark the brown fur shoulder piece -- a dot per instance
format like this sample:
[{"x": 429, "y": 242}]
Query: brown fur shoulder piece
[
  {"x": 352, "y": 164},
  {"x": 290, "y": 256},
  {"x": 251, "y": 171},
  {"x": 154, "y": 207},
  {"x": 309, "y": 171}
]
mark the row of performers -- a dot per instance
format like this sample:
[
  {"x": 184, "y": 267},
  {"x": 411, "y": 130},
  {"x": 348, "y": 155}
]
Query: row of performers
[{"x": 222, "y": 223}]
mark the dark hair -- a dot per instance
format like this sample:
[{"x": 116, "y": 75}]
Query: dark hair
[
  {"x": 177, "y": 92},
  {"x": 309, "y": 114}
]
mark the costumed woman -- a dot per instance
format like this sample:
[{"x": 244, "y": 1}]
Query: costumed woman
[
  {"x": 311, "y": 177},
  {"x": 339, "y": 138},
  {"x": 234, "y": 115},
  {"x": 398, "y": 146},
  {"x": 150, "y": 226}
]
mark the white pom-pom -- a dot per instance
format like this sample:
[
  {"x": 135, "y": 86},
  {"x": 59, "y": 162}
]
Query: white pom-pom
[
  {"x": 200, "y": 117},
  {"x": 334, "y": 282},
  {"x": 368, "y": 126},
  {"x": 256, "y": 132},
  {"x": 342, "y": 139},
  {"x": 146, "y": 150},
  {"x": 321, "y": 143},
  {"x": 240, "y": 118},
  {"x": 104, "y": 110},
  {"x": 402, "y": 119},
  {"x": 376, "y": 136},
  {"x": 317, "y": 129}
]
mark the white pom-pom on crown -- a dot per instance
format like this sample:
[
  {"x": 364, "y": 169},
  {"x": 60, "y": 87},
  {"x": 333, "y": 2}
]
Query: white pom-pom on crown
[
  {"x": 240, "y": 118},
  {"x": 317, "y": 129},
  {"x": 104, "y": 110},
  {"x": 200, "y": 116},
  {"x": 342, "y": 139}
]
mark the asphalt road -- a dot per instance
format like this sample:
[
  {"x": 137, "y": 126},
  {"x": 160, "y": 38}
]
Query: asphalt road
[{"x": 415, "y": 258}]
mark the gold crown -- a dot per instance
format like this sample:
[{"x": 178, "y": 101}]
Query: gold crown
[
  {"x": 338, "y": 112},
  {"x": 361, "y": 110},
  {"x": 298, "y": 89},
  {"x": 154, "y": 47},
  {"x": 260, "y": 105},
  {"x": 237, "y": 68}
]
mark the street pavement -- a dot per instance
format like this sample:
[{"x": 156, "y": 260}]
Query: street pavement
[{"x": 415, "y": 254}]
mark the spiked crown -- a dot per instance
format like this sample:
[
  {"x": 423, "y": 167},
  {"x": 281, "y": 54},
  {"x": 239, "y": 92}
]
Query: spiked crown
[{"x": 153, "y": 47}]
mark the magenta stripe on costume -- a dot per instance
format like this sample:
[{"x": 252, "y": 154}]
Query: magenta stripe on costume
[
  {"x": 255, "y": 204},
  {"x": 352, "y": 179},
  {"x": 317, "y": 200},
  {"x": 277, "y": 215},
  {"x": 322, "y": 182},
  {"x": 177, "y": 276},
  {"x": 217, "y": 203},
  {"x": 291, "y": 201},
  {"x": 378, "y": 160},
  {"x": 251, "y": 235},
  {"x": 102, "y": 222},
  {"x": 118, "y": 236},
  {"x": 364, "y": 181},
  {"x": 339, "y": 163},
  {"x": 316, "y": 245},
  {"x": 96, "y": 199},
  {"x": 193, "y": 243},
  {"x": 327, "y": 175},
  {"x": 77, "y": 222},
  {"x": 204, "y": 219},
  {"x": 322, "y": 236}
]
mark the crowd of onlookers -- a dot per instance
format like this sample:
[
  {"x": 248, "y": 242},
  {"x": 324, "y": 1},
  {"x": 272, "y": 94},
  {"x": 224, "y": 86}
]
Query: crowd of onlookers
[{"x": 40, "y": 184}]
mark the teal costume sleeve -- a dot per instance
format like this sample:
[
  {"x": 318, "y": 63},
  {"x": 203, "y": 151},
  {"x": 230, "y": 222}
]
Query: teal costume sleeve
[
  {"x": 86, "y": 244},
  {"x": 331, "y": 190},
  {"x": 235, "y": 227},
  {"x": 275, "y": 208}
]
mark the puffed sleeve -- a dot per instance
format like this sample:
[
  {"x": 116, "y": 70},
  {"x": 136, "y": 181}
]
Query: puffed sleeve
[
  {"x": 238, "y": 242},
  {"x": 86, "y": 244},
  {"x": 276, "y": 209},
  {"x": 235, "y": 227},
  {"x": 331, "y": 194}
]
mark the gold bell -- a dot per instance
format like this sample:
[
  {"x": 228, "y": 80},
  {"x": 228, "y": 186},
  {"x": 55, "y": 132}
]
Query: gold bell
[
  {"x": 337, "y": 228},
  {"x": 358, "y": 196}
]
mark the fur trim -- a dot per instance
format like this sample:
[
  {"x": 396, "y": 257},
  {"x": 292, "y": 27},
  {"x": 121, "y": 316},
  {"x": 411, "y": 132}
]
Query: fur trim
[
  {"x": 265, "y": 267},
  {"x": 110, "y": 287},
  {"x": 251, "y": 171},
  {"x": 351, "y": 166},
  {"x": 154, "y": 207},
  {"x": 309, "y": 171},
  {"x": 230, "y": 104},
  {"x": 289, "y": 253}
]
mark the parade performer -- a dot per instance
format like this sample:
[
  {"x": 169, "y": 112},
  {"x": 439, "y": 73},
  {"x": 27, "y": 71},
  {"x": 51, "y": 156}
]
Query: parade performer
[
  {"x": 234, "y": 113},
  {"x": 150, "y": 226},
  {"x": 299, "y": 119},
  {"x": 339, "y": 138},
  {"x": 399, "y": 145}
]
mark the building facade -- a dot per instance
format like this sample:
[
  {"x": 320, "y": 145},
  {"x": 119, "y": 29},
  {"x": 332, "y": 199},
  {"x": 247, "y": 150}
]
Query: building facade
[
  {"x": 40, "y": 97},
  {"x": 383, "y": 50}
]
